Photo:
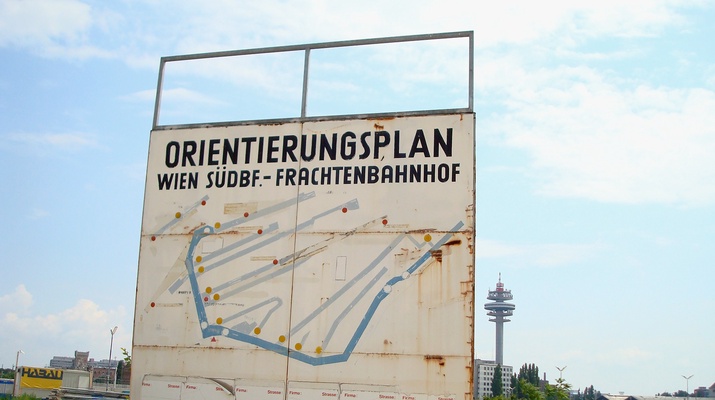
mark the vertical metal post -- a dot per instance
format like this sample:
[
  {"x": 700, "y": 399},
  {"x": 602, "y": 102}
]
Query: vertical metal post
[
  {"x": 16, "y": 382},
  {"x": 304, "y": 100},
  {"x": 159, "y": 89},
  {"x": 471, "y": 71},
  {"x": 687, "y": 384},
  {"x": 109, "y": 365}
]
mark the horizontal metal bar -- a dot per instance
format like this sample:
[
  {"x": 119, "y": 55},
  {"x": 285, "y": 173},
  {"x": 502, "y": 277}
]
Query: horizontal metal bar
[
  {"x": 281, "y": 121},
  {"x": 323, "y": 45},
  {"x": 307, "y": 48}
]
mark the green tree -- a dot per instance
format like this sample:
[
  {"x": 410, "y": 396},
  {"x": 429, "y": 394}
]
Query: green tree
[
  {"x": 497, "y": 383},
  {"x": 559, "y": 391},
  {"x": 515, "y": 388},
  {"x": 127, "y": 357},
  {"x": 591, "y": 394},
  {"x": 529, "y": 373},
  {"x": 530, "y": 391},
  {"x": 120, "y": 370}
]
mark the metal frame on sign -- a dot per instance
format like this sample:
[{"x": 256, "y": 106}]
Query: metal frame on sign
[{"x": 306, "y": 48}]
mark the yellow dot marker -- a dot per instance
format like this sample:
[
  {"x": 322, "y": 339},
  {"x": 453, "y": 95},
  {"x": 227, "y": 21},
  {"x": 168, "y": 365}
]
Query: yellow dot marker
[
  {"x": 219, "y": 320},
  {"x": 198, "y": 258},
  {"x": 281, "y": 338},
  {"x": 217, "y": 225},
  {"x": 298, "y": 346},
  {"x": 318, "y": 349},
  {"x": 201, "y": 269},
  {"x": 257, "y": 331},
  {"x": 216, "y": 296},
  {"x": 428, "y": 238},
  {"x": 208, "y": 289},
  {"x": 178, "y": 215}
]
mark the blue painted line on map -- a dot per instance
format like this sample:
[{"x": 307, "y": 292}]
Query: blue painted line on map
[
  {"x": 177, "y": 284},
  {"x": 266, "y": 211},
  {"x": 209, "y": 330},
  {"x": 217, "y": 330},
  {"x": 277, "y": 300},
  {"x": 174, "y": 221},
  {"x": 349, "y": 285},
  {"x": 281, "y": 271},
  {"x": 272, "y": 227},
  {"x": 349, "y": 307},
  {"x": 207, "y": 230}
]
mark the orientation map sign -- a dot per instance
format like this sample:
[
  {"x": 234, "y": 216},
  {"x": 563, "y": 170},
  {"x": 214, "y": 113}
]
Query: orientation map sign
[
  {"x": 308, "y": 260},
  {"x": 311, "y": 257}
]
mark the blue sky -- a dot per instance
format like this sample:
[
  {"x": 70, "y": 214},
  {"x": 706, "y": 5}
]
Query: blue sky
[{"x": 596, "y": 180}]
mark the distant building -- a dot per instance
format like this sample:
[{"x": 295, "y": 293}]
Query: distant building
[
  {"x": 702, "y": 391},
  {"x": 634, "y": 397},
  {"x": 484, "y": 375},
  {"x": 102, "y": 370},
  {"x": 61, "y": 362},
  {"x": 81, "y": 360}
]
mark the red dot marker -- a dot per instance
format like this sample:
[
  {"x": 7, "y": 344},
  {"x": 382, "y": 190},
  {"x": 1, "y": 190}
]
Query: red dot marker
[
  {"x": 206, "y": 299},
  {"x": 153, "y": 238},
  {"x": 203, "y": 202},
  {"x": 245, "y": 214},
  {"x": 153, "y": 304},
  {"x": 275, "y": 262},
  {"x": 345, "y": 209},
  {"x": 384, "y": 222},
  {"x": 260, "y": 231}
]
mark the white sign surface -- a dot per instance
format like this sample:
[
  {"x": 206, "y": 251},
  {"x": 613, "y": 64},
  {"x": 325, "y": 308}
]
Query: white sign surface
[{"x": 335, "y": 251}]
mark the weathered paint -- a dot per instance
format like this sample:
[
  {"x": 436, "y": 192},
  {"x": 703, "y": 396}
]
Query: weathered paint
[{"x": 297, "y": 289}]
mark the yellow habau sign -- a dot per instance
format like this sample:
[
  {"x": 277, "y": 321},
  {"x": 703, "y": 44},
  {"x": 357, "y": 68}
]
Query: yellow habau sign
[{"x": 40, "y": 378}]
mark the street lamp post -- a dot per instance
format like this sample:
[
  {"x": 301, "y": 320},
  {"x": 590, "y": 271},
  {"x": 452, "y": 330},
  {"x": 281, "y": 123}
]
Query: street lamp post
[
  {"x": 109, "y": 365},
  {"x": 561, "y": 370},
  {"x": 16, "y": 382},
  {"x": 687, "y": 386}
]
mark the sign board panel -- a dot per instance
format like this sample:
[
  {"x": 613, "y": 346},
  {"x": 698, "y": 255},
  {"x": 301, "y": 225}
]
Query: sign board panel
[
  {"x": 40, "y": 378},
  {"x": 318, "y": 253}
]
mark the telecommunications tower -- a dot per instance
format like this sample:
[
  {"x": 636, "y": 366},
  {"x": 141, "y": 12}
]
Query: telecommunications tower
[{"x": 499, "y": 309}]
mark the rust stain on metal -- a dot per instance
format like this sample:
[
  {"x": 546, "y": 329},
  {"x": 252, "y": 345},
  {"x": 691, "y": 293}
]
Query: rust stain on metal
[
  {"x": 378, "y": 126},
  {"x": 438, "y": 358},
  {"x": 437, "y": 254},
  {"x": 454, "y": 242}
]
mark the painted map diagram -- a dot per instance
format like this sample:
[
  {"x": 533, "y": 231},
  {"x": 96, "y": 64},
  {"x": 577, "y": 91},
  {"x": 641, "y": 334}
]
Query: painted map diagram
[{"x": 245, "y": 274}]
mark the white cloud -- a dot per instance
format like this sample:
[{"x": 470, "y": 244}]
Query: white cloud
[
  {"x": 62, "y": 141},
  {"x": 81, "y": 327},
  {"x": 596, "y": 136},
  {"x": 38, "y": 213},
  {"x": 61, "y": 29},
  {"x": 148, "y": 95},
  {"x": 134, "y": 172},
  {"x": 74, "y": 29},
  {"x": 540, "y": 255},
  {"x": 19, "y": 298},
  {"x": 182, "y": 95},
  {"x": 39, "y": 22},
  {"x": 625, "y": 356}
]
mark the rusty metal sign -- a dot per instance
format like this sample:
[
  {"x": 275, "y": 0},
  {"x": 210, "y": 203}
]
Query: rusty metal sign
[{"x": 308, "y": 259}]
